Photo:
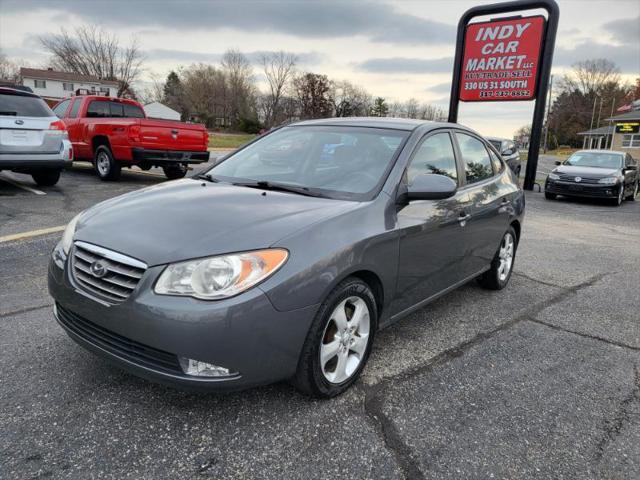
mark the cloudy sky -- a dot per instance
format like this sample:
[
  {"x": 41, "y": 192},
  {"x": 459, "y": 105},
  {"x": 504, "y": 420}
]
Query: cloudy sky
[{"x": 395, "y": 49}]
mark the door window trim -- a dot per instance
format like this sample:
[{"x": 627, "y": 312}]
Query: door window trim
[
  {"x": 423, "y": 139},
  {"x": 464, "y": 185}
]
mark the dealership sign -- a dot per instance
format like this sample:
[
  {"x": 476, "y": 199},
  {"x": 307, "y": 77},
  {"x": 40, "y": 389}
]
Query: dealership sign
[
  {"x": 501, "y": 58},
  {"x": 628, "y": 127}
]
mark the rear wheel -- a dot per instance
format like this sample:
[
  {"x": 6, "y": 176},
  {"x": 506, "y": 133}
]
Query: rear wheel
[
  {"x": 46, "y": 178},
  {"x": 634, "y": 193},
  {"x": 497, "y": 277},
  {"x": 173, "y": 172},
  {"x": 550, "y": 196},
  {"x": 105, "y": 165},
  {"x": 339, "y": 341}
]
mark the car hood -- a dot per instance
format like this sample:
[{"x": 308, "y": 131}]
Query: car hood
[
  {"x": 587, "y": 172},
  {"x": 187, "y": 219}
]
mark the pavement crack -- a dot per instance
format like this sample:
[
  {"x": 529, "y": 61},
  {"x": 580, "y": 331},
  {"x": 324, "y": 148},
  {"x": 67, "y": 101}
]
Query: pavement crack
[
  {"x": 584, "y": 335},
  {"x": 541, "y": 282},
  {"x": 24, "y": 310},
  {"x": 613, "y": 427}
]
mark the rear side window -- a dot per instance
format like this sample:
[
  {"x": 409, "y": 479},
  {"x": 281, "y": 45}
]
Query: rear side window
[
  {"x": 23, "y": 106},
  {"x": 98, "y": 109},
  {"x": 75, "y": 108},
  {"x": 132, "y": 111},
  {"x": 477, "y": 164},
  {"x": 435, "y": 155},
  {"x": 61, "y": 108},
  {"x": 116, "y": 109}
]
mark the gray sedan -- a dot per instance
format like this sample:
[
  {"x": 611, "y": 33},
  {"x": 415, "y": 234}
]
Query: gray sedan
[
  {"x": 33, "y": 139},
  {"x": 282, "y": 261}
]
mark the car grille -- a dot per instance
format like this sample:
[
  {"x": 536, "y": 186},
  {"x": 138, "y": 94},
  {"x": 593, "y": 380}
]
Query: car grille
[
  {"x": 107, "y": 275},
  {"x": 116, "y": 344},
  {"x": 572, "y": 178}
]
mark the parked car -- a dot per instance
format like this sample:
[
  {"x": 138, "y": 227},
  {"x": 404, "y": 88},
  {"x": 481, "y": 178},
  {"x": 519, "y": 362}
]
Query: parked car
[
  {"x": 262, "y": 270},
  {"x": 114, "y": 133},
  {"x": 509, "y": 151},
  {"x": 604, "y": 174},
  {"x": 32, "y": 139}
]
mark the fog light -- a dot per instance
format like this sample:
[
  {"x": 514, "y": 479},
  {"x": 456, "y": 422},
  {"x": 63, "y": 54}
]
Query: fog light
[{"x": 202, "y": 369}]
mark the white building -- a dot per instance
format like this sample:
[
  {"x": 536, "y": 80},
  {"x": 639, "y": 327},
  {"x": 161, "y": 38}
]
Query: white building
[
  {"x": 160, "y": 110},
  {"x": 54, "y": 86}
]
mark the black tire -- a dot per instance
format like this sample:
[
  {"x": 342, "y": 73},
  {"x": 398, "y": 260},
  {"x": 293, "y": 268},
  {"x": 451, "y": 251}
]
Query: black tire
[
  {"x": 46, "y": 178},
  {"x": 616, "y": 202},
  {"x": 550, "y": 196},
  {"x": 632, "y": 197},
  {"x": 107, "y": 168},
  {"x": 492, "y": 279},
  {"x": 174, "y": 172},
  {"x": 309, "y": 377}
]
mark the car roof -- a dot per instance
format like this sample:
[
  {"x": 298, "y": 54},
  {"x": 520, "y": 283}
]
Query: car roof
[
  {"x": 407, "y": 124},
  {"x": 15, "y": 91},
  {"x": 595, "y": 150},
  {"x": 103, "y": 98},
  {"x": 499, "y": 139}
]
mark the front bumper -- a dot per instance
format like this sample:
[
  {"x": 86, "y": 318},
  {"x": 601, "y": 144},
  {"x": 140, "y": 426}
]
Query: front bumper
[
  {"x": 168, "y": 156},
  {"x": 146, "y": 333},
  {"x": 582, "y": 190}
]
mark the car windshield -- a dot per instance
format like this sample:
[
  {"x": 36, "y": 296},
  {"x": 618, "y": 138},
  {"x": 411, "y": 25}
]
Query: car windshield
[
  {"x": 595, "y": 159},
  {"x": 330, "y": 161},
  {"x": 17, "y": 105}
]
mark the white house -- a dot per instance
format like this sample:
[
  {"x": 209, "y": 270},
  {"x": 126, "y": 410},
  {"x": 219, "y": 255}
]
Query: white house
[
  {"x": 54, "y": 86},
  {"x": 160, "y": 110}
]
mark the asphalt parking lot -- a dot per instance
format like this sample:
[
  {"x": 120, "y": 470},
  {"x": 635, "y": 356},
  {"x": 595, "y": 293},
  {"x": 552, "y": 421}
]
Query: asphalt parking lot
[{"x": 540, "y": 380}]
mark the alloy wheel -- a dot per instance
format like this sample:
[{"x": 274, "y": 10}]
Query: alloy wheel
[
  {"x": 345, "y": 340},
  {"x": 505, "y": 256},
  {"x": 103, "y": 163},
  {"x": 621, "y": 195}
]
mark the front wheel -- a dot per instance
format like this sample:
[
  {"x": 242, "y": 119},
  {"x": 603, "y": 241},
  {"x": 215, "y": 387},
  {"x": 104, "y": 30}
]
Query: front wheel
[
  {"x": 173, "y": 172},
  {"x": 46, "y": 178},
  {"x": 105, "y": 165},
  {"x": 620, "y": 198},
  {"x": 497, "y": 277},
  {"x": 339, "y": 341}
]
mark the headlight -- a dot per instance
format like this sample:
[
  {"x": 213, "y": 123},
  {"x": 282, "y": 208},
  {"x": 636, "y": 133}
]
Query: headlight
[
  {"x": 67, "y": 236},
  {"x": 554, "y": 176},
  {"x": 608, "y": 180},
  {"x": 221, "y": 276}
]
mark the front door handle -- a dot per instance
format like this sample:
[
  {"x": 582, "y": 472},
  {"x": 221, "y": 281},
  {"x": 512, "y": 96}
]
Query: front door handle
[{"x": 462, "y": 219}]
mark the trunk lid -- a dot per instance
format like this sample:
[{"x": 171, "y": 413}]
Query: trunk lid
[{"x": 21, "y": 134}]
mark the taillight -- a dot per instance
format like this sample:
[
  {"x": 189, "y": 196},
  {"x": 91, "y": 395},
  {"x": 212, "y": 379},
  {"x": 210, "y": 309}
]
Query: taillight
[
  {"x": 58, "y": 125},
  {"x": 134, "y": 133}
]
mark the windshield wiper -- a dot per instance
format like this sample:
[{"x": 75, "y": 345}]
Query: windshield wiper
[
  {"x": 208, "y": 177},
  {"x": 281, "y": 187}
]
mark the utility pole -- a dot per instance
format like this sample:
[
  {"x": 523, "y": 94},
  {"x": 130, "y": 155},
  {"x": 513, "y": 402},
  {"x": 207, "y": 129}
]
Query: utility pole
[
  {"x": 613, "y": 104},
  {"x": 546, "y": 127},
  {"x": 593, "y": 115}
]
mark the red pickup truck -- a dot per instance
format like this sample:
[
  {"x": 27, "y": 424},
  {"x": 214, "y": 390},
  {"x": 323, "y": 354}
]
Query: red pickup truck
[{"x": 114, "y": 132}]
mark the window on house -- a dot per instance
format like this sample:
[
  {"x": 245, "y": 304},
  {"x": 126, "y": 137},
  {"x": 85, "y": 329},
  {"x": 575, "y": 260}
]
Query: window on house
[
  {"x": 40, "y": 83},
  {"x": 67, "y": 87},
  {"x": 631, "y": 141},
  {"x": 104, "y": 90}
]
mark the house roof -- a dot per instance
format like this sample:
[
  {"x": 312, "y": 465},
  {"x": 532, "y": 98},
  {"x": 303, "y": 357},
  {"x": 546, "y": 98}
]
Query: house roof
[
  {"x": 607, "y": 130},
  {"x": 635, "y": 115},
  {"x": 63, "y": 76}
]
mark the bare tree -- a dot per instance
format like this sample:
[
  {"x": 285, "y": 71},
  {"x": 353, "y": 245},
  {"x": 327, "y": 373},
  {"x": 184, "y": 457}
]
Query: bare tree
[
  {"x": 313, "y": 92},
  {"x": 239, "y": 76},
  {"x": 206, "y": 91},
  {"x": 279, "y": 69},
  {"x": 591, "y": 76},
  {"x": 350, "y": 100},
  {"x": 412, "y": 108},
  {"x": 8, "y": 69},
  {"x": 90, "y": 50}
]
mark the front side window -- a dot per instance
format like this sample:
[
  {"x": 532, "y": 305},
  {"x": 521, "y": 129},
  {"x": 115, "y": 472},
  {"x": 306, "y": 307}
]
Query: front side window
[
  {"x": 61, "y": 108},
  {"x": 477, "y": 164},
  {"x": 98, "y": 109},
  {"x": 23, "y": 106},
  {"x": 495, "y": 161},
  {"x": 434, "y": 155},
  {"x": 40, "y": 83},
  {"x": 331, "y": 161},
  {"x": 67, "y": 86},
  {"x": 595, "y": 159},
  {"x": 132, "y": 111}
]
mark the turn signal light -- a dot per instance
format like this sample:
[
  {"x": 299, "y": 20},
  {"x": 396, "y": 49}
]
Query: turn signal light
[{"x": 58, "y": 125}]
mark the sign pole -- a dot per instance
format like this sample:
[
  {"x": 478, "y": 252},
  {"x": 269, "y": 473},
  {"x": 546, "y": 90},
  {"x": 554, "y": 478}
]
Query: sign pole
[{"x": 543, "y": 72}]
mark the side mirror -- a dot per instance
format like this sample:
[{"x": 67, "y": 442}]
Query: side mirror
[
  {"x": 558, "y": 162},
  {"x": 431, "y": 187},
  {"x": 507, "y": 152},
  {"x": 630, "y": 167}
]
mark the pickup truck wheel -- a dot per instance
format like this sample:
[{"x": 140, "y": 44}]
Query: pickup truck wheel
[
  {"x": 46, "y": 178},
  {"x": 173, "y": 172},
  {"x": 105, "y": 165}
]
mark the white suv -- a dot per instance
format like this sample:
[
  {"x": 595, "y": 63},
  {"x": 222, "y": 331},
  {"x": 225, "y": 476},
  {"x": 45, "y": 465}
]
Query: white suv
[{"x": 33, "y": 139}]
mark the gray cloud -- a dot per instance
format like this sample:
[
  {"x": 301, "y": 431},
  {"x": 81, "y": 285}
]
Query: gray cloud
[
  {"x": 378, "y": 21},
  {"x": 440, "y": 88},
  {"x": 625, "y": 30},
  {"x": 184, "y": 56},
  {"x": 627, "y": 57},
  {"x": 407, "y": 65}
]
